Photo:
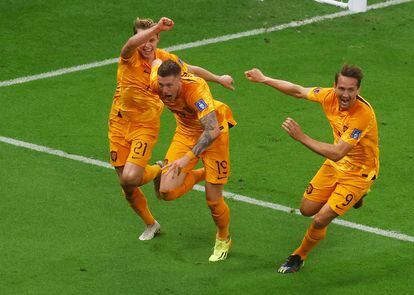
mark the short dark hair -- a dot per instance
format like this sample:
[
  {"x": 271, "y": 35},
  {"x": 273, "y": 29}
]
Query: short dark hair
[
  {"x": 143, "y": 24},
  {"x": 350, "y": 71},
  {"x": 168, "y": 68}
]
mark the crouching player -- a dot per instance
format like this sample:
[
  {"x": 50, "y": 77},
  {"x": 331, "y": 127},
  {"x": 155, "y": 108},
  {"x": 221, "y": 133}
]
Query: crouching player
[{"x": 202, "y": 132}]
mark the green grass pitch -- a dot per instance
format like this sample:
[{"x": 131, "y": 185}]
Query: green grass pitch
[{"x": 64, "y": 227}]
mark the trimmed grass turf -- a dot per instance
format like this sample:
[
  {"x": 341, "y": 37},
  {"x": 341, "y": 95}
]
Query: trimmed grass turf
[
  {"x": 72, "y": 218},
  {"x": 49, "y": 35},
  {"x": 59, "y": 239}
]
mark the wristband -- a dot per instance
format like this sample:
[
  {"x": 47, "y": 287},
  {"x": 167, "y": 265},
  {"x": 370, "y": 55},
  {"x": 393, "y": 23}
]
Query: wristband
[{"x": 191, "y": 155}]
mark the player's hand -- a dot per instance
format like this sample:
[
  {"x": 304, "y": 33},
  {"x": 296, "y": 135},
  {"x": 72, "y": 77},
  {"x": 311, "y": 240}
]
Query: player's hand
[
  {"x": 255, "y": 75},
  {"x": 156, "y": 62},
  {"x": 176, "y": 166},
  {"x": 165, "y": 24},
  {"x": 293, "y": 129},
  {"x": 226, "y": 81}
]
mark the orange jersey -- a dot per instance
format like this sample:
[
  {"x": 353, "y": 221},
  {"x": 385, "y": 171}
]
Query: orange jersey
[
  {"x": 356, "y": 126},
  {"x": 133, "y": 97},
  {"x": 193, "y": 103}
]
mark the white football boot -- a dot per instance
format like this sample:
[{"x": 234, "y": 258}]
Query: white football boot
[{"x": 150, "y": 231}]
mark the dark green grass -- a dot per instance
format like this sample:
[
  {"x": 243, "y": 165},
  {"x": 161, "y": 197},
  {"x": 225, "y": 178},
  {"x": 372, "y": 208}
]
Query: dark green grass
[
  {"x": 65, "y": 228},
  {"x": 40, "y": 36},
  {"x": 47, "y": 35}
]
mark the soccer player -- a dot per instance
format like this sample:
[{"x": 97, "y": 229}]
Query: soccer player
[
  {"x": 352, "y": 160},
  {"x": 202, "y": 132},
  {"x": 134, "y": 118}
]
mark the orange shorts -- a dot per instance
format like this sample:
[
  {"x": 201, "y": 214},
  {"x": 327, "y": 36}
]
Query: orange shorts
[
  {"x": 130, "y": 142},
  {"x": 340, "y": 190},
  {"x": 216, "y": 158}
]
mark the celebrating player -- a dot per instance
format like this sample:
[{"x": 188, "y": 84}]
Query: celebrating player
[
  {"x": 134, "y": 119},
  {"x": 352, "y": 160},
  {"x": 202, "y": 132}
]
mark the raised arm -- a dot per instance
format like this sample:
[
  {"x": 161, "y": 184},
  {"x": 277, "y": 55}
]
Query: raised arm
[
  {"x": 225, "y": 80},
  {"x": 164, "y": 24},
  {"x": 333, "y": 152},
  {"x": 255, "y": 75}
]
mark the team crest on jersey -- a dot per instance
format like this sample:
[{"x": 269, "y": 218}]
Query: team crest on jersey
[
  {"x": 309, "y": 189},
  {"x": 356, "y": 133},
  {"x": 316, "y": 90},
  {"x": 201, "y": 105},
  {"x": 114, "y": 156}
]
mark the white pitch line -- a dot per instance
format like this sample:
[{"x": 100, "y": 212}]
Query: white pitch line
[
  {"x": 203, "y": 42},
  {"x": 229, "y": 195}
]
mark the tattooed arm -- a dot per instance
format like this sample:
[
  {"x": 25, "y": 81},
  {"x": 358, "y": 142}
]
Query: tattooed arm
[{"x": 210, "y": 133}]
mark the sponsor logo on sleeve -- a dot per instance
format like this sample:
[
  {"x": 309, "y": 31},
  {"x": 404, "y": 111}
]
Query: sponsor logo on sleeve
[
  {"x": 356, "y": 133},
  {"x": 114, "y": 156},
  {"x": 316, "y": 90},
  {"x": 201, "y": 105},
  {"x": 309, "y": 189}
]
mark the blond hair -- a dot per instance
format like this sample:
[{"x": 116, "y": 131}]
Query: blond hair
[{"x": 142, "y": 24}]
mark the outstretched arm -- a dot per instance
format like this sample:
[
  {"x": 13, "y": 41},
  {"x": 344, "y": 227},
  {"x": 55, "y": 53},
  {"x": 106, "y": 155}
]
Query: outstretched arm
[
  {"x": 225, "y": 80},
  {"x": 255, "y": 75},
  {"x": 334, "y": 152},
  {"x": 164, "y": 24}
]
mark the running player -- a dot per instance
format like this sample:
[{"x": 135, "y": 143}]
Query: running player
[
  {"x": 352, "y": 162},
  {"x": 202, "y": 132},
  {"x": 134, "y": 119}
]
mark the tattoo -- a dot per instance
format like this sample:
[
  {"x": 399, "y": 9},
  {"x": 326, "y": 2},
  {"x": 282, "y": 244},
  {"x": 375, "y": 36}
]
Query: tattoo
[{"x": 210, "y": 126}]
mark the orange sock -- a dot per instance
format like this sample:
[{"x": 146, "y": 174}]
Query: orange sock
[
  {"x": 199, "y": 174},
  {"x": 221, "y": 216},
  {"x": 138, "y": 202},
  {"x": 150, "y": 172},
  {"x": 312, "y": 237},
  {"x": 193, "y": 177}
]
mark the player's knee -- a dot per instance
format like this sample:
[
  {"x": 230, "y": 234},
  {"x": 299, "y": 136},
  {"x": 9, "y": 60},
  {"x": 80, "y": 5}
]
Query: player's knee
[
  {"x": 128, "y": 180},
  {"x": 166, "y": 187},
  {"x": 166, "y": 194},
  {"x": 125, "y": 182},
  {"x": 163, "y": 189},
  {"x": 319, "y": 221},
  {"x": 306, "y": 212}
]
